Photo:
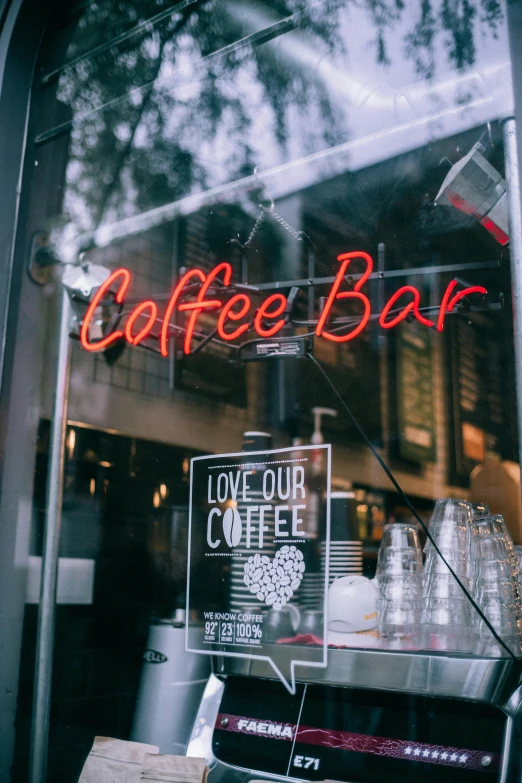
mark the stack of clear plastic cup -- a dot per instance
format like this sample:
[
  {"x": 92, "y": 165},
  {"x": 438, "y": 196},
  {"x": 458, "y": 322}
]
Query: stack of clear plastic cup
[
  {"x": 399, "y": 577},
  {"x": 497, "y": 586},
  {"x": 500, "y": 529},
  {"x": 518, "y": 554},
  {"x": 445, "y": 618},
  {"x": 478, "y": 511}
]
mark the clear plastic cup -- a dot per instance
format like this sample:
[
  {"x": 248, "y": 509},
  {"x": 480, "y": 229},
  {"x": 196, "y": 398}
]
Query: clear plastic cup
[
  {"x": 446, "y": 611},
  {"x": 454, "y": 509},
  {"x": 400, "y": 552},
  {"x": 499, "y": 527},
  {"x": 490, "y": 532},
  {"x": 479, "y": 510},
  {"x": 413, "y": 579},
  {"x": 503, "y": 591},
  {"x": 398, "y": 613},
  {"x": 505, "y": 614},
  {"x": 401, "y": 535},
  {"x": 447, "y": 589},
  {"x": 490, "y": 648},
  {"x": 448, "y": 514},
  {"x": 457, "y": 560},
  {"x": 491, "y": 548},
  {"x": 494, "y": 569},
  {"x": 448, "y": 637},
  {"x": 430, "y": 579},
  {"x": 393, "y": 560},
  {"x": 452, "y": 555},
  {"x": 400, "y": 589},
  {"x": 504, "y": 620},
  {"x": 449, "y": 538}
]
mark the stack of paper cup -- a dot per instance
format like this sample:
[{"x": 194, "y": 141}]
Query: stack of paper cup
[
  {"x": 345, "y": 550},
  {"x": 345, "y": 559}
]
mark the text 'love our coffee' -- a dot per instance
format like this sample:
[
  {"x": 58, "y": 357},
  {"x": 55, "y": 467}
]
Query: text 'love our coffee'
[
  {"x": 280, "y": 484},
  {"x": 258, "y": 521}
]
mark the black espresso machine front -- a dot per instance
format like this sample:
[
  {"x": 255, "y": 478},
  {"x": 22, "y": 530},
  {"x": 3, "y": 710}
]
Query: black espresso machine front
[{"x": 355, "y": 735}]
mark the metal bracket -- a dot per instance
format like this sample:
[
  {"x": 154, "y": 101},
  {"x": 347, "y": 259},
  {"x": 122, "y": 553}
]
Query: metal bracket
[{"x": 41, "y": 258}]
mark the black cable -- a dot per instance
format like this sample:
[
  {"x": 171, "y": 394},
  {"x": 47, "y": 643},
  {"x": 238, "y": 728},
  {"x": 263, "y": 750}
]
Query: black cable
[{"x": 409, "y": 505}]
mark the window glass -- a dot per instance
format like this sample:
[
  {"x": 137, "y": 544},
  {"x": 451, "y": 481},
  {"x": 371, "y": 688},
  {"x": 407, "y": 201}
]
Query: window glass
[{"x": 347, "y": 162}]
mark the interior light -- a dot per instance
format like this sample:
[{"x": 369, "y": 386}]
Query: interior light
[
  {"x": 156, "y": 500},
  {"x": 71, "y": 442},
  {"x": 163, "y": 491}
]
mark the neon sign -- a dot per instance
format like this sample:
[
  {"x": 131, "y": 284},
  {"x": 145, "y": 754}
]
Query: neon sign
[{"x": 268, "y": 318}]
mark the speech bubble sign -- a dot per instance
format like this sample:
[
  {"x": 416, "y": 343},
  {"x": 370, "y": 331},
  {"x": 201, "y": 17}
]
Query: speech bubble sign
[{"x": 259, "y": 536}]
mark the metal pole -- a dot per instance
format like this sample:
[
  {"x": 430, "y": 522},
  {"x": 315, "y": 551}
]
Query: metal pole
[
  {"x": 507, "y": 752},
  {"x": 53, "y": 513},
  {"x": 515, "y": 254}
]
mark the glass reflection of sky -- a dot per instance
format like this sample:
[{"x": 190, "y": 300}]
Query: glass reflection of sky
[{"x": 305, "y": 106}]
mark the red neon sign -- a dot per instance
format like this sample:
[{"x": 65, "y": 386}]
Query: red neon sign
[
  {"x": 84, "y": 332},
  {"x": 266, "y": 321},
  {"x": 345, "y": 259}
]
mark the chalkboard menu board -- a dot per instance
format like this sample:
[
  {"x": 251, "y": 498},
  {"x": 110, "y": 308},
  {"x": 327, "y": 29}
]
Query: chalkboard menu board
[
  {"x": 415, "y": 412},
  {"x": 481, "y": 360}
]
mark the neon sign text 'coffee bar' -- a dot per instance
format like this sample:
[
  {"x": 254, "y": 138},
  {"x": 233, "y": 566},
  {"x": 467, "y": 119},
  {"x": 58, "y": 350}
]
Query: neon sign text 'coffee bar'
[{"x": 267, "y": 319}]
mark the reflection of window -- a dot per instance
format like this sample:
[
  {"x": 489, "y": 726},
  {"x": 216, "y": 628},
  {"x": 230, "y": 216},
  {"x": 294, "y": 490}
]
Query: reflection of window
[
  {"x": 149, "y": 257},
  {"x": 189, "y": 101}
]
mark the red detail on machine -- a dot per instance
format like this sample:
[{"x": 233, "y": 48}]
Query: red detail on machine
[
  {"x": 333, "y": 739},
  {"x": 266, "y": 321}
]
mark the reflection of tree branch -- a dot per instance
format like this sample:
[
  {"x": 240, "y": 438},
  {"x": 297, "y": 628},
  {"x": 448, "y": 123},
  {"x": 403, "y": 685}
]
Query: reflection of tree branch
[
  {"x": 225, "y": 52},
  {"x": 457, "y": 19},
  {"x": 125, "y": 152},
  {"x": 421, "y": 40}
]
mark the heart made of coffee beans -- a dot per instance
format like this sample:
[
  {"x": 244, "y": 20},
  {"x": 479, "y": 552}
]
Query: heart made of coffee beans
[{"x": 275, "y": 581}]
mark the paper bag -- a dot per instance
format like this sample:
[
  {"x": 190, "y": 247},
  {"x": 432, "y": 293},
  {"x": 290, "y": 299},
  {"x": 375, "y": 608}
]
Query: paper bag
[
  {"x": 173, "y": 769},
  {"x": 115, "y": 761}
]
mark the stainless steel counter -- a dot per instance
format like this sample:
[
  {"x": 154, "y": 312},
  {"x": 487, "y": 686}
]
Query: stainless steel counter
[{"x": 449, "y": 675}]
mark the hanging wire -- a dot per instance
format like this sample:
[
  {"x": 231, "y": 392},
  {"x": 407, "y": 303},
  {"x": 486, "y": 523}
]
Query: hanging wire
[
  {"x": 269, "y": 210},
  {"x": 406, "y": 500},
  {"x": 255, "y": 229}
]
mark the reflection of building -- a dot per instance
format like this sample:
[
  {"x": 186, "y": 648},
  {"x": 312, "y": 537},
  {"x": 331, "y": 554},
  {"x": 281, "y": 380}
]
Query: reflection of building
[{"x": 163, "y": 179}]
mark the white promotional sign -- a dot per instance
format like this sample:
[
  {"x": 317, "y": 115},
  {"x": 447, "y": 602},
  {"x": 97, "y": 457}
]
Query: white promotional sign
[{"x": 258, "y": 557}]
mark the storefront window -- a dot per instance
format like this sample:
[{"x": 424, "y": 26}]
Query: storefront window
[{"x": 282, "y": 228}]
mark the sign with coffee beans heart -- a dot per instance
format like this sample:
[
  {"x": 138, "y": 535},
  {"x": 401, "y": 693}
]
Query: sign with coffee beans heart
[{"x": 257, "y": 523}]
